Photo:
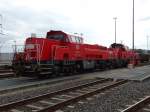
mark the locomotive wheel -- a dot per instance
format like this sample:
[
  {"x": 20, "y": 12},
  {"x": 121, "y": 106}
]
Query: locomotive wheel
[
  {"x": 72, "y": 70},
  {"x": 56, "y": 71},
  {"x": 19, "y": 69},
  {"x": 79, "y": 68}
]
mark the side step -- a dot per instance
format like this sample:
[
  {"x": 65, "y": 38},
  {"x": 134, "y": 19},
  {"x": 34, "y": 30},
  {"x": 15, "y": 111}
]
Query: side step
[
  {"x": 45, "y": 73},
  {"x": 46, "y": 69}
]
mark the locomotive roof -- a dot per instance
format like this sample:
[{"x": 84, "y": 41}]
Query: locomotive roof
[
  {"x": 71, "y": 38},
  {"x": 55, "y": 32},
  {"x": 60, "y": 32},
  {"x": 117, "y": 45}
]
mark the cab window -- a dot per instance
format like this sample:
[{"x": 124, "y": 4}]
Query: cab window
[
  {"x": 73, "y": 39},
  {"x": 56, "y": 37}
]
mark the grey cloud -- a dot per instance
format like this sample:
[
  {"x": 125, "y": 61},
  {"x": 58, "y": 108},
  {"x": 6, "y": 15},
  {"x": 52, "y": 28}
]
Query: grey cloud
[
  {"x": 26, "y": 20},
  {"x": 19, "y": 22}
]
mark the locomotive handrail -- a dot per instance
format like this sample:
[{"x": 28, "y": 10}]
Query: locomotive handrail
[{"x": 38, "y": 53}]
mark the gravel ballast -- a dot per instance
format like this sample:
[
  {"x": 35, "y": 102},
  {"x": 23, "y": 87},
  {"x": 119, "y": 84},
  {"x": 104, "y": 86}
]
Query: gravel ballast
[
  {"x": 31, "y": 92},
  {"x": 114, "y": 100},
  {"x": 111, "y": 101}
]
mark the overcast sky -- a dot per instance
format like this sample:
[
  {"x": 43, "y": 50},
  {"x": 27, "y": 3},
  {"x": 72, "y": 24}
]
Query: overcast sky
[{"x": 93, "y": 18}]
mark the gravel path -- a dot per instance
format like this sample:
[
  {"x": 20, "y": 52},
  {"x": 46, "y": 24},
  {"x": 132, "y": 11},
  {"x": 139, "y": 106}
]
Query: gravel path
[
  {"x": 115, "y": 99},
  {"x": 24, "y": 94}
]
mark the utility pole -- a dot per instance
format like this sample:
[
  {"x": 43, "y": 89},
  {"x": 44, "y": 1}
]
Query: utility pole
[
  {"x": 115, "y": 18},
  {"x": 1, "y": 26},
  {"x": 133, "y": 28},
  {"x": 15, "y": 46},
  {"x": 147, "y": 43},
  {"x": 0, "y": 33}
]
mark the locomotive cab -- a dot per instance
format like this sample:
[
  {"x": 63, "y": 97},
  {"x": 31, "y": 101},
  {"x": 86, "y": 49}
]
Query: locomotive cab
[
  {"x": 56, "y": 35},
  {"x": 63, "y": 37},
  {"x": 117, "y": 46}
]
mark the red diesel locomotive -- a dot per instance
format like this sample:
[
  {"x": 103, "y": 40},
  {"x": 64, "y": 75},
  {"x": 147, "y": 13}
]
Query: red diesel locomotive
[{"x": 60, "y": 52}]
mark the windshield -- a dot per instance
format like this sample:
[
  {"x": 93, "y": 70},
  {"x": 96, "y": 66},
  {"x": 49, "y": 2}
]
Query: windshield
[{"x": 56, "y": 37}]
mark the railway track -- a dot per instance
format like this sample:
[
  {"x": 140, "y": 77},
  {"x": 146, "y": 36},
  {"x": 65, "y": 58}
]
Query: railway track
[
  {"x": 5, "y": 73},
  {"x": 37, "y": 84},
  {"x": 53, "y": 101},
  {"x": 140, "y": 106}
]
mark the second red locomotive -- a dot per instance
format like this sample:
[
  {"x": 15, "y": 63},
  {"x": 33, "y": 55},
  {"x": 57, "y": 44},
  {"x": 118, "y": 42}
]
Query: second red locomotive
[{"x": 61, "y": 52}]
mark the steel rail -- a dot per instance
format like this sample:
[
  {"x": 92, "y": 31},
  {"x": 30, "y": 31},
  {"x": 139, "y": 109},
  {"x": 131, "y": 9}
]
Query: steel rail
[
  {"x": 137, "y": 106},
  {"x": 12, "y": 105},
  {"x": 5, "y": 73},
  {"x": 37, "y": 84},
  {"x": 80, "y": 97}
]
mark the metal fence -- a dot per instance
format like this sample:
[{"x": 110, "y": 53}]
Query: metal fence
[
  {"x": 6, "y": 58},
  {"x": 6, "y": 54}
]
